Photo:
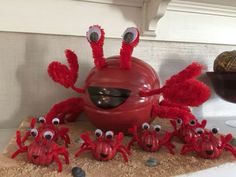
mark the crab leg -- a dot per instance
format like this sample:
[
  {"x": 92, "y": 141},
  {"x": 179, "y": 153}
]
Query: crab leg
[
  {"x": 81, "y": 150},
  {"x": 166, "y": 142},
  {"x": 187, "y": 148},
  {"x": 18, "y": 151},
  {"x": 27, "y": 133},
  {"x": 126, "y": 149},
  {"x": 57, "y": 160},
  {"x": 131, "y": 143},
  {"x": 65, "y": 153},
  {"x": 19, "y": 143},
  {"x": 167, "y": 103},
  {"x": 171, "y": 112},
  {"x": 72, "y": 106},
  {"x": 63, "y": 134},
  {"x": 123, "y": 152},
  {"x": 170, "y": 147},
  {"x": 134, "y": 132},
  {"x": 230, "y": 148}
]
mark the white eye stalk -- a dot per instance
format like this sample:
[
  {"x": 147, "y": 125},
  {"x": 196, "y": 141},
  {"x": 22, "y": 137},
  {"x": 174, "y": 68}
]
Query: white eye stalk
[
  {"x": 98, "y": 133},
  {"x": 94, "y": 34},
  {"x": 130, "y": 35}
]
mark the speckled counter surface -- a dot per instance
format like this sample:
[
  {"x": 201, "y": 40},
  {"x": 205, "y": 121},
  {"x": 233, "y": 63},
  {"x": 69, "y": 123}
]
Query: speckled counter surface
[{"x": 170, "y": 165}]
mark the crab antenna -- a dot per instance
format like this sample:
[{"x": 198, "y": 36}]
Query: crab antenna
[
  {"x": 95, "y": 36},
  {"x": 32, "y": 123},
  {"x": 130, "y": 40}
]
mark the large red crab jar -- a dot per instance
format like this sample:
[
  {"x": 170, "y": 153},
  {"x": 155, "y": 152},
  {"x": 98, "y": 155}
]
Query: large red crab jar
[{"x": 111, "y": 98}]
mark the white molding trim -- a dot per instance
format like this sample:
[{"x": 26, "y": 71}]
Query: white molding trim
[
  {"x": 152, "y": 11},
  {"x": 131, "y": 3},
  {"x": 202, "y": 8}
]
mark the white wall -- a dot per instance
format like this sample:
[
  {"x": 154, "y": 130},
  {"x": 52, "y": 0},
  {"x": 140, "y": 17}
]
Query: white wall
[{"x": 186, "y": 21}]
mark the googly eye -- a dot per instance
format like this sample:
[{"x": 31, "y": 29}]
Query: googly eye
[
  {"x": 34, "y": 132},
  {"x": 109, "y": 134},
  {"x": 94, "y": 33},
  {"x": 48, "y": 135},
  {"x": 192, "y": 122},
  {"x": 145, "y": 126},
  {"x": 55, "y": 121},
  {"x": 130, "y": 35},
  {"x": 157, "y": 128},
  {"x": 215, "y": 130},
  {"x": 98, "y": 133},
  {"x": 179, "y": 121},
  {"x": 199, "y": 130},
  {"x": 41, "y": 120}
]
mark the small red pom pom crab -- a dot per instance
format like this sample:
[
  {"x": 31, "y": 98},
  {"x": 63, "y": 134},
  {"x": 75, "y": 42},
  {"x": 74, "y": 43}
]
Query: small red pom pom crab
[
  {"x": 208, "y": 145},
  {"x": 185, "y": 129},
  {"x": 52, "y": 126},
  {"x": 150, "y": 138},
  {"x": 105, "y": 146},
  {"x": 43, "y": 150}
]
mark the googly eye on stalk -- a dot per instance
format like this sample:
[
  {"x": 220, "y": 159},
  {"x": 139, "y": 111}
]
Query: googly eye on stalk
[
  {"x": 95, "y": 36},
  {"x": 41, "y": 120},
  {"x": 215, "y": 130},
  {"x": 34, "y": 132},
  {"x": 179, "y": 121},
  {"x": 98, "y": 133},
  {"x": 94, "y": 33},
  {"x": 157, "y": 128},
  {"x": 130, "y": 40},
  {"x": 145, "y": 126},
  {"x": 199, "y": 130},
  {"x": 48, "y": 135},
  {"x": 131, "y": 35},
  {"x": 55, "y": 121},
  {"x": 192, "y": 122},
  {"x": 109, "y": 134}
]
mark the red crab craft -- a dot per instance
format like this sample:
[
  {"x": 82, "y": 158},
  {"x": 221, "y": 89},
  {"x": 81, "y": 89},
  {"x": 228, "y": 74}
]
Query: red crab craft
[
  {"x": 43, "y": 150},
  {"x": 58, "y": 132},
  {"x": 111, "y": 96},
  {"x": 208, "y": 145},
  {"x": 150, "y": 138},
  {"x": 105, "y": 146},
  {"x": 186, "y": 128}
]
